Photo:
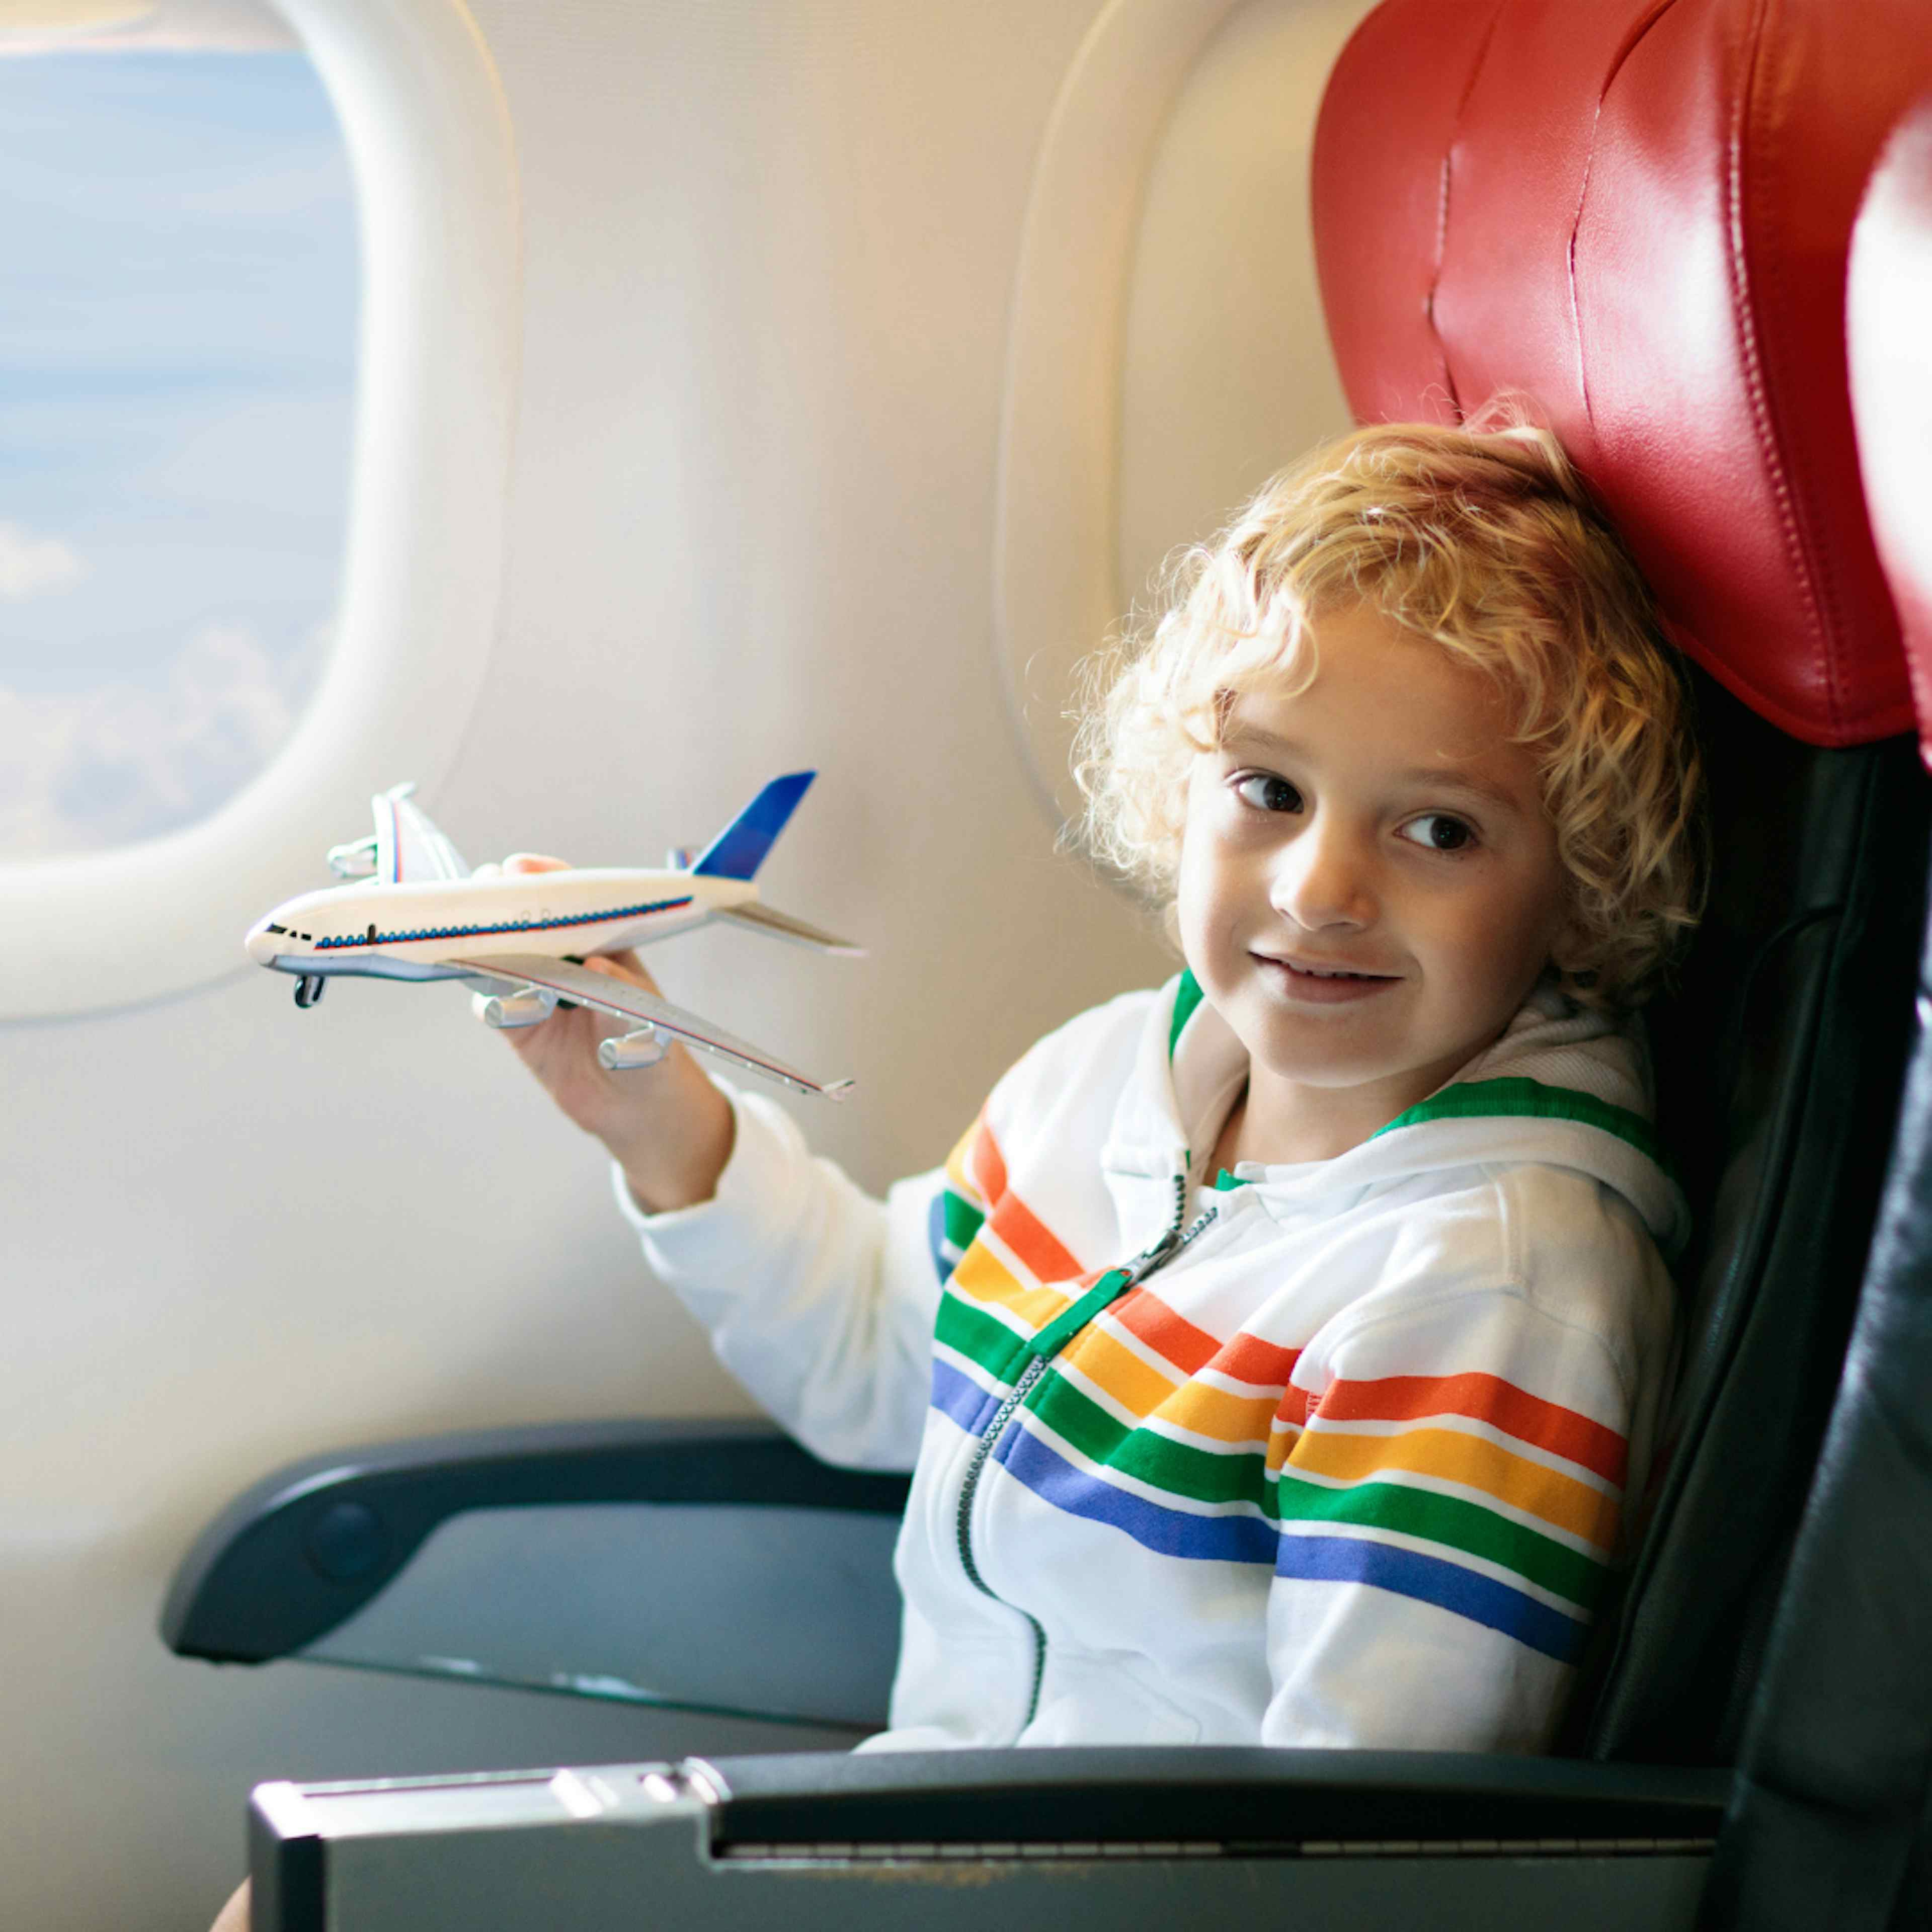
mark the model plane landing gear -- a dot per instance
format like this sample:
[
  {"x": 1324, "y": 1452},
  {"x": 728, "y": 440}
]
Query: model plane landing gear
[{"x": 308, "y": 989}]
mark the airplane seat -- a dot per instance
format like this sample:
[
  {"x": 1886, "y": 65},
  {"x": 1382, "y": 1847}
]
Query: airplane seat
[
  {"x": 1637, "y": 213},
  {"x": 1600, "y": 206}
]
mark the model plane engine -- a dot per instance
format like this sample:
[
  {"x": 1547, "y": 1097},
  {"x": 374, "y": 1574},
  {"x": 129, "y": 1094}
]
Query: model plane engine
[
  {"x": 355, "y": 860},
  {"x": 529, "y": 1006},
  {"x": 644, "y": 1047}
]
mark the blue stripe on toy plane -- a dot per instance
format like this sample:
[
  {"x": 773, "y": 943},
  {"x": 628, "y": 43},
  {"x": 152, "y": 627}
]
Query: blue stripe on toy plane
[
  {"x": 739, "y": 849},
  {"x": 380, "y": 938}
]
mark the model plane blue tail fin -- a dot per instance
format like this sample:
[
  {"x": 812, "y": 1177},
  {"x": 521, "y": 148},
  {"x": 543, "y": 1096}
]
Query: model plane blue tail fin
[{"x": 739, "y": 849}]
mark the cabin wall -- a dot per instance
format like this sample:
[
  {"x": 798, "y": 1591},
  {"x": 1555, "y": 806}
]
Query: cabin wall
[{"x": 769, "y": 250}]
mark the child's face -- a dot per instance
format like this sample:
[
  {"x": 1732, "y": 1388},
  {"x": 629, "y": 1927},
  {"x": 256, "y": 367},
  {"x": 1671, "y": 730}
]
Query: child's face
[{"x": 1380, "y": 825}]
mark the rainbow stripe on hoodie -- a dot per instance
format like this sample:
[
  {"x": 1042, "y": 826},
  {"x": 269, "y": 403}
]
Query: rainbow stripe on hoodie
[
  {"x": 1347, "y": 1468},
  {"x": 1465, "y": 1490}
]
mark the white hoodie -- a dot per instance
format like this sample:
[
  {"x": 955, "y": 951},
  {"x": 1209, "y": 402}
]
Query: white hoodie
[{"x": 1343, "y": 1467}]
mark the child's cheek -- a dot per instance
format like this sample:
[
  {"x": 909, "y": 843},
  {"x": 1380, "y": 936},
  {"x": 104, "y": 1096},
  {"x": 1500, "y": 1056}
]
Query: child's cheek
[{"x": 1194, "y": 912}]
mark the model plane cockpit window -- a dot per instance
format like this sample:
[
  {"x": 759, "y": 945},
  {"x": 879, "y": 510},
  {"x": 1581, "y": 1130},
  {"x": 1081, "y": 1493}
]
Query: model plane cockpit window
[{"x": 178, "y": 307}]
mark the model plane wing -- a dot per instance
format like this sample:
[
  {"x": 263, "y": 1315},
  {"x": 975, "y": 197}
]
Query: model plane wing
[
  {"x": 409, "y": 847},
  {"x": 625, "y": 1001},
  {"x": 782, "y": 925}
]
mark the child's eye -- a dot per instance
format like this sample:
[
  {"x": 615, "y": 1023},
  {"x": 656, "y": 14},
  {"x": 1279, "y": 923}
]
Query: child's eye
[
  {"x": 1266, "y": 793},
  {"x": 1438, "y": 832}
]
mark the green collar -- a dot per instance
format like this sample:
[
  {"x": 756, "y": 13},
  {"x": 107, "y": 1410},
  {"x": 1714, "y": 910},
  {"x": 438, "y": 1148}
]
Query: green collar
[
  {"x": 1187, "y": 998},
  {"x": 1475, "y": 1100}
]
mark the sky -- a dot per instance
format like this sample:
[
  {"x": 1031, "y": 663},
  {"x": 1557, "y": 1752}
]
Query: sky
[{"x": 177, "y": 300}]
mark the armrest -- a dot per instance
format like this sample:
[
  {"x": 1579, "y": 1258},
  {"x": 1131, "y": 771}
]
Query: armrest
[
  {"x": 1124, "y": 1838},
  {"x": 1244, "y": 1801},
  {"x": 706, "y": 1563}
]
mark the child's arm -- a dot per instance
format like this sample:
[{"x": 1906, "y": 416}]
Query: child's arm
[
  {"x": 819, "y": 1298},
  {"x": 669, "y": 1129}
]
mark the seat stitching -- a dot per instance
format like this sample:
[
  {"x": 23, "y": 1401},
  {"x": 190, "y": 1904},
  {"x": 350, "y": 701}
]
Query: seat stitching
[
  {"x": 1751, "y": 352},
  {"x": 1629, "y": 47},
  {"x": 1442, "y": 209}
]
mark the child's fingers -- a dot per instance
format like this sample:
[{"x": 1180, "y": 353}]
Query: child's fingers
[
  {"x": 519, "y": 863},
  {"x": 622, "y": 966}
]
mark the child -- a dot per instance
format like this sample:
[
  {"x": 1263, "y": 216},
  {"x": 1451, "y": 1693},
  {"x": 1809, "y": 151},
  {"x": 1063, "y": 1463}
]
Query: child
[{"x": 1274, "y": 1353}]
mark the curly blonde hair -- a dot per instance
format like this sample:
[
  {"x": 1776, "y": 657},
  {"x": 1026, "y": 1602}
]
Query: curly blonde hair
[{"x": 1483, "y": 539}]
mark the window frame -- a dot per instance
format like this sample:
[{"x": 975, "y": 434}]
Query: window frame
[
  {"x": 433, "y": 158},
  {"x": 1058, "y": 589}
]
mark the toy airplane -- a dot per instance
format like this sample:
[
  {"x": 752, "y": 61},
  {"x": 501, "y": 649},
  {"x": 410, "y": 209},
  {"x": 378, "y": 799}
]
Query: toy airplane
[{"x": 519, "y": 938}]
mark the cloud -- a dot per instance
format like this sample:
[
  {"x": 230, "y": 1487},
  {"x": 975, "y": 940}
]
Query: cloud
[
  {"x": 30, "y": 566},
  {"x": 81, "y": 771},
  {"x": 228, "y": 26}
]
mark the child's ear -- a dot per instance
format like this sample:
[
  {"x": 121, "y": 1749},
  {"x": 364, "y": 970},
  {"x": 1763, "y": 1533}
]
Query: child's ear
[{"x": 1568, "y": 950}]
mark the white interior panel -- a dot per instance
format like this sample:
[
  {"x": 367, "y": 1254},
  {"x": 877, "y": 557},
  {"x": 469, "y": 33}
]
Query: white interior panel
[
  {"x": 1226, "y": 373},
  {"x": 1168, "y": 351},
  {"x": 768, "y": 259}
]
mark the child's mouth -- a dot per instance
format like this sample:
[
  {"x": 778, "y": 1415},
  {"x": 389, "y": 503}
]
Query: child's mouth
[{"x": 1322, "y": 984}]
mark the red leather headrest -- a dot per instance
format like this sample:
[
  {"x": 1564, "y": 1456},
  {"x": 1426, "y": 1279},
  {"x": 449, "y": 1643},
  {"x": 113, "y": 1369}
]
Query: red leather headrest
[
  {"x": 1639, "y": 212},
  {"x": 1889, "y": 319}
]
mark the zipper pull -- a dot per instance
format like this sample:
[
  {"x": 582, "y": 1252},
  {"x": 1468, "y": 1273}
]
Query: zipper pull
[
  {"x": 1164, "y": 1250},
  {"x": 1144, "y": 1263}
]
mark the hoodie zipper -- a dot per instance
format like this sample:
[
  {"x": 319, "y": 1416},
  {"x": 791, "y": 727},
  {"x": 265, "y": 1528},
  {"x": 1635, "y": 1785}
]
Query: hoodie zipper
[{"x": 1043, "y": 1347}]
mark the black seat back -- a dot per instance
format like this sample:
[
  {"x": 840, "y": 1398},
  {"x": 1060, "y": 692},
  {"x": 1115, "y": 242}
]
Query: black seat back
[
  {"x": 1779, "y": 1058},
  {"x": 1596, "y": 203}
]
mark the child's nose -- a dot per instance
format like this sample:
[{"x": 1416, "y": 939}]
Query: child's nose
[{"x": 1325, "y": 878}]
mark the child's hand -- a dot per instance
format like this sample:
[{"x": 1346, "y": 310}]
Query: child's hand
[
  {"x": 667, "y": 1126},
  {"x": 562, "y": 1052}
]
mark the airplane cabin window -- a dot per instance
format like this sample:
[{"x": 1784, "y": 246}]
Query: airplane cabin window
[
  {"x": 264, "y": 608},
  {"x": 177, "y": 316}
]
